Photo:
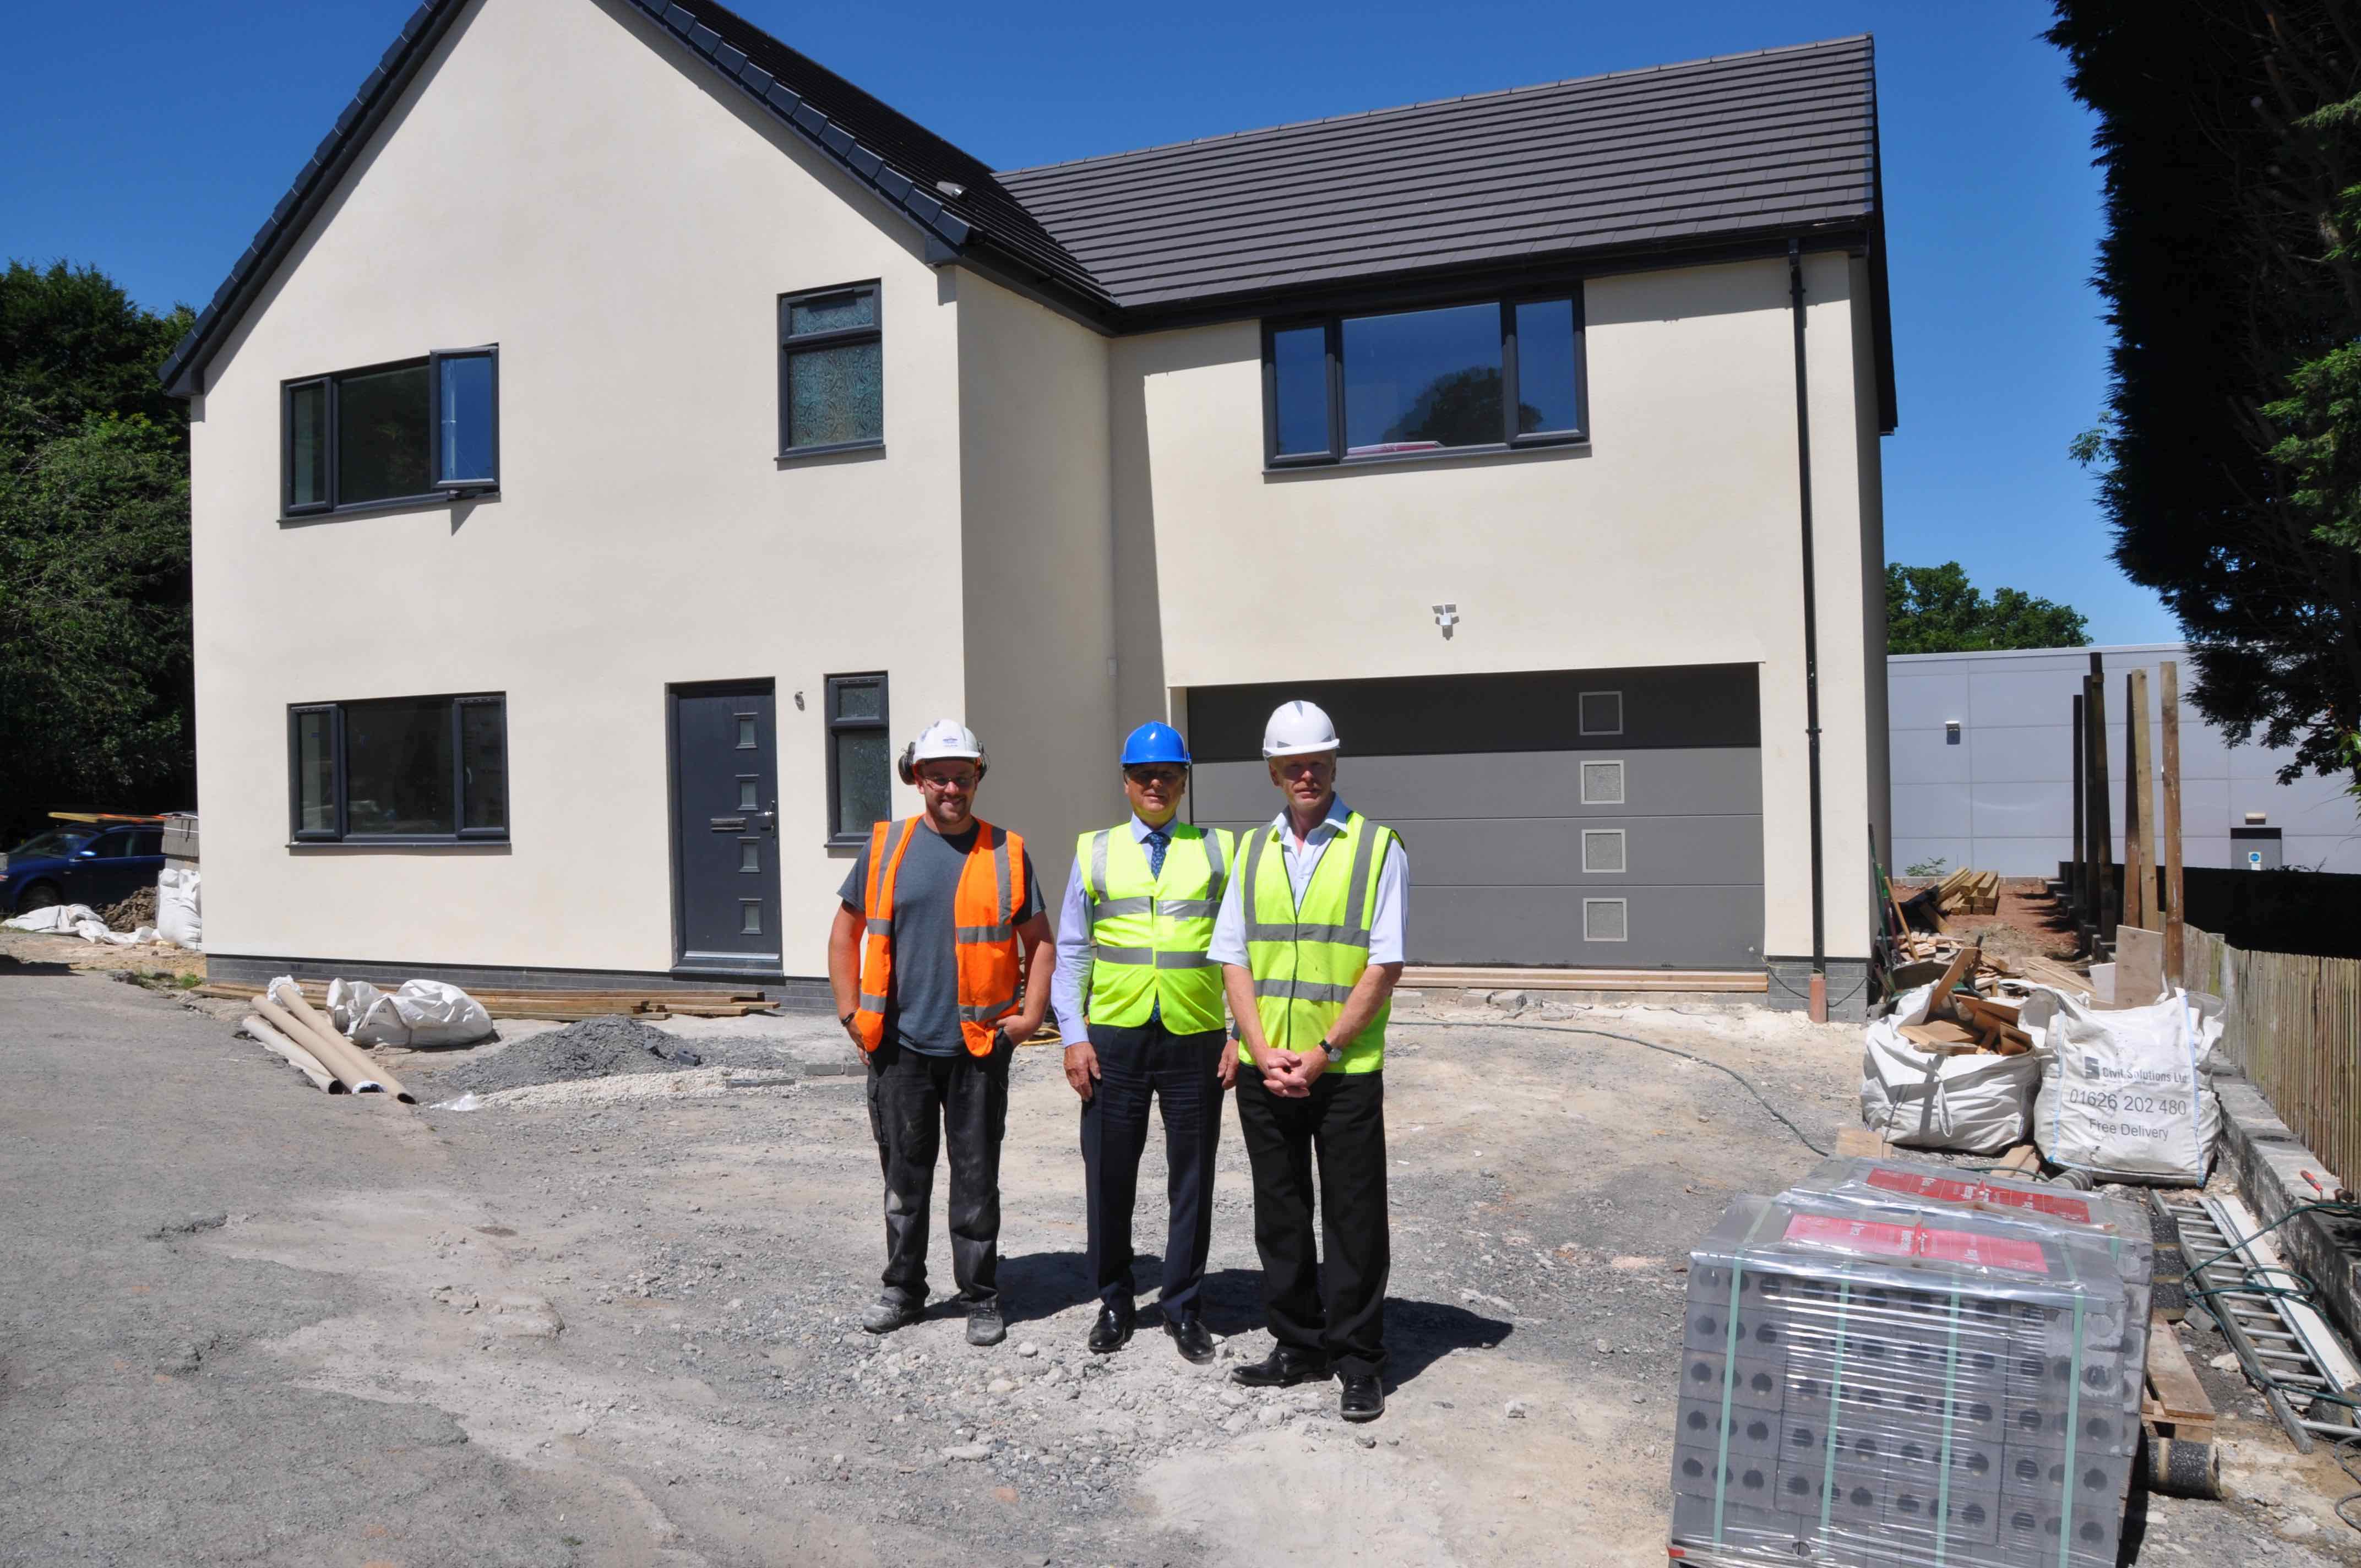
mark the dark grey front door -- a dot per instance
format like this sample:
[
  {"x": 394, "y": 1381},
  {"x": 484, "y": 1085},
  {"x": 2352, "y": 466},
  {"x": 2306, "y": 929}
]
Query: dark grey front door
[{"x": 725, "y": 769}]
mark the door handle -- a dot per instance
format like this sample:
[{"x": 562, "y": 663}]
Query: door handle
[{"x": 729, "y": 824}]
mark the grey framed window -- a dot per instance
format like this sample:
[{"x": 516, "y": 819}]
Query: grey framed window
[
  {"x": 1603, "y": 851},
  {"x": 1488, "y": 375},
  {"x": 419, "y": 430},
  {"x": 1602, "y": 784},
  {"x": 860, "y": 765},
  {"x": 427, "y": 769},
  {"x": 1599, "y": 713},
  {"x": 831, "y": 370}
]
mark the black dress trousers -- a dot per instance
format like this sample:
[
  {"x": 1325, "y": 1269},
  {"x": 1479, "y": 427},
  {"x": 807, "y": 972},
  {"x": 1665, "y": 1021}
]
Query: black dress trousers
[
  {"x": 1332, "y": 1303},
  {"x": 1182, "y": 1072}
]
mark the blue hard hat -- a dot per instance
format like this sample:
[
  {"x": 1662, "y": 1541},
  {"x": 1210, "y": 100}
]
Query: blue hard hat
[{"x": 1155, "y": 744}]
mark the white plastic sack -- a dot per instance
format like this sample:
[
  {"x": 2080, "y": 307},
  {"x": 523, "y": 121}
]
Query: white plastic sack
[
  {"x": 180, "y": 906},
  {"x": 417, "y": 1013},
  {"x": 2124, "y": 1094},
  {"x": 79, "y": 920},
  {"x": 1972, "y": 1102}
]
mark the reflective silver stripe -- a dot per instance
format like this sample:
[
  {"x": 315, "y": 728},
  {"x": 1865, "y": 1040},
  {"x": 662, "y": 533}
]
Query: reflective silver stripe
[
  {"x": 1301, "y": 991},
  {"x": 1255, "y": 847},
  {"x": 879, "y": 928},
  {"x": 1096, "y": 888},
  {"x": 1356, "y": 897},
  {"x": 982, "y": 933},
  {"x": 1192, "y": 908},
  {"x": 987, "y": 1012},
  {"x": 1107, "y": 908},
  {"x": 1342, "y": 936},
  {"x": 1106, "y": 955},
  {"x": 1001, "y": 907},
  {"x": 1183, "y": 960},
  {"x": 1212, "y": 839},
  {"x": 872, "y": 1004}
]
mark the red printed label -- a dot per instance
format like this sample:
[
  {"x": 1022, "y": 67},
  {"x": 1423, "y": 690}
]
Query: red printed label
[
  {"x": 1854, "y": 1236},
  {"x": 2072, "y": 1209},
  {"x": 1943, "y": 1190}
]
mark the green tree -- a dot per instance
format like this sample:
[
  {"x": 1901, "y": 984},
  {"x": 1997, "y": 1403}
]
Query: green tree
[
  {"x": 1935, "y": 610},
  {"x": 95, "y": 657},
  {"x": 2229, "y": 458}
]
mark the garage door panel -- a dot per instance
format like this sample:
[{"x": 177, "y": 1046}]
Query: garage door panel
[
  {"x": 1403, "y": 790},
  {"x": 1678, "y": 927},
  {"x": 1540, "y": 851}
]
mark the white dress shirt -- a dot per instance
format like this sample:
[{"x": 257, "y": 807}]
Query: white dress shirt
[{"x": 1229, "y": 946}]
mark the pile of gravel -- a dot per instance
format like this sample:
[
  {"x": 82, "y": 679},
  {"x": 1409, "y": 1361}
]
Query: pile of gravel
[{"x": 596, "y": 1048}]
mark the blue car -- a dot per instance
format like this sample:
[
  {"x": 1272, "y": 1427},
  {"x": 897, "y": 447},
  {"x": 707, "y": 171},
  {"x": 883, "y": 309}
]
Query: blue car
[{"x": 81, "y": 864}]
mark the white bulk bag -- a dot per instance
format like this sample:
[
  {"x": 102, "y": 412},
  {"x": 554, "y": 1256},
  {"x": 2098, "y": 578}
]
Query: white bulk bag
[
  {"x": 1972, "y": 1102},
  {"x": 2124, "y": 1094},
  {"x": 180, "y": 906},
  {"x": 417, "y": 1013}
]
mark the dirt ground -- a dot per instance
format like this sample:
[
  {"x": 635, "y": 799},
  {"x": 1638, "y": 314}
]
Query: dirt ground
[{"x": 612, "y": 1321}]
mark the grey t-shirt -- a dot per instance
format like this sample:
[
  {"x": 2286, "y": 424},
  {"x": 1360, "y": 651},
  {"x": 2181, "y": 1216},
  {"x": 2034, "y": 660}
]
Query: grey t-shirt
[{"x": 923, "y": 1009}]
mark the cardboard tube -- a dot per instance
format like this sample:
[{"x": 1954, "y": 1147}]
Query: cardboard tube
[
  {"x": 354, "y": 1075},
  {"x": 322, "y": 1029},
  {"x": 293, "y": 1054}
]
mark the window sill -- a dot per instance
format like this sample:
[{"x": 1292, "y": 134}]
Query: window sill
[
  {"x": 392, "y": 503},
  {"x": 1579, "y": 445},
  {"x": 794, "y": 454},
  {"x": 400, "y": 841}
]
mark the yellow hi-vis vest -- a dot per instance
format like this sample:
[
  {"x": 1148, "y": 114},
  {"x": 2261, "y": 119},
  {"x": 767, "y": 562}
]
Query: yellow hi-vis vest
[
  {"x": 1148, "y": 934},
  {"x": 1306, "y": 961}
]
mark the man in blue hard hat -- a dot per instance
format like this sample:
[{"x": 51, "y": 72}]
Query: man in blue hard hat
[{"x": 1142, "y": 1010}]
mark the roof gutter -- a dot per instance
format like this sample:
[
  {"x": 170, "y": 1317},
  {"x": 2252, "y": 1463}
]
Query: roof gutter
[{"x": 1819, "y": 995}]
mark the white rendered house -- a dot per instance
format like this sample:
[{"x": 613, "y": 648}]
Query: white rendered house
[{"x": 566, "y": 575}]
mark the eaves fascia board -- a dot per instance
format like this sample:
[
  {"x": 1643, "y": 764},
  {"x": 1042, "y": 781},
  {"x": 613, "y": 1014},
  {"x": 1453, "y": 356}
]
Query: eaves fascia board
[{"x": 1410, "y": 286}]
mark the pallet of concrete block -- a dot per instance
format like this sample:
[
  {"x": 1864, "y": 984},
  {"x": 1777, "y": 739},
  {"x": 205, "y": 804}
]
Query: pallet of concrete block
[{"x": 1903, "y": 1385}]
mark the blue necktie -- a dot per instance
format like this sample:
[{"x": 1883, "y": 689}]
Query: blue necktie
[{"x": 1156, "y": 845}]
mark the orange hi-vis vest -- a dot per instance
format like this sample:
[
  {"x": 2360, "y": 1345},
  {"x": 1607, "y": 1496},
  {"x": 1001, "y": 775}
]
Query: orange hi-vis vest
[{"x": 983, "y": 911}]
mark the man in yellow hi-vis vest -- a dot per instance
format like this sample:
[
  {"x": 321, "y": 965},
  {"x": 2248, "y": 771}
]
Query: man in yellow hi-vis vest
[
  {"x": 1310, "y": 940},
  {"x": 1140, "y": 1005}
]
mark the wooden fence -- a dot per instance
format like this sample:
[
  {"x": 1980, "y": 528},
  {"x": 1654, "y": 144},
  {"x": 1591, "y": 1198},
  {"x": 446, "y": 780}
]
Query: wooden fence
[{"x": 2293, "y": 1024}]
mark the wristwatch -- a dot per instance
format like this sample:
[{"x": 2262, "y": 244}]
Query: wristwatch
[
  {"x": 1333, "y": 1051},
  {"x": 846, "y": 1021}
]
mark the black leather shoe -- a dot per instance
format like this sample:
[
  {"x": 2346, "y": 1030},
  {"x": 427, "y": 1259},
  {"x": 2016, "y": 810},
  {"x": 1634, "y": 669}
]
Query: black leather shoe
[
  {"x": 1282, "y": 1368},
  {"x": 1363, "y": 1398},
  {"x": 1191, "y": 1338},
  {"x": 1112, "y": 1330}
]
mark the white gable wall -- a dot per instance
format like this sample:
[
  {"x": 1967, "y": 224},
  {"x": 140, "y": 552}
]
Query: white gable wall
[{"x": 554, "y": 183}]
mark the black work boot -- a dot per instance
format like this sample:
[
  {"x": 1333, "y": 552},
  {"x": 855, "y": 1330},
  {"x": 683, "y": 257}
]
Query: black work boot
[{"x": 1112, "y": 1330}]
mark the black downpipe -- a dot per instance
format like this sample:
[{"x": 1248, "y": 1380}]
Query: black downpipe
[{"x": 1811, "y": 631}]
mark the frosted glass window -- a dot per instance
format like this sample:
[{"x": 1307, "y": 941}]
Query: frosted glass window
[{"x": 831, "y": 370}]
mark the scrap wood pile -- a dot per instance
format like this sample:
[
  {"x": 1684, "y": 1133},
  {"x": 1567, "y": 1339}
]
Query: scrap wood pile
[
  {"x": 562, "y": 1006},
  {"x": 1974, "y": 1008}
]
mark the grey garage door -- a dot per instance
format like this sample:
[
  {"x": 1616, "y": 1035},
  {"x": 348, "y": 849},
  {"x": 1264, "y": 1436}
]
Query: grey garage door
[{"x": 1599, "y": 819}]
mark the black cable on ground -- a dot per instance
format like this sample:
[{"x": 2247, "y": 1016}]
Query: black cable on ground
[{"x": 1644, "y": 1045}]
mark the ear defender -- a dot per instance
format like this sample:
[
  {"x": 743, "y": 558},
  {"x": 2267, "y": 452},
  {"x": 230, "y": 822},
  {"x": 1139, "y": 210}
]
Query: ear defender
[{"x": 904, "y": 766}]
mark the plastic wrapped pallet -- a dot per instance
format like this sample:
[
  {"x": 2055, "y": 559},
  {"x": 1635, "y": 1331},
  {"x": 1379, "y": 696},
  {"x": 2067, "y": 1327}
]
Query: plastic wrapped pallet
[
  {"x": 1903, "y": 1385},
  {"x": 2122, "y": 1227}
]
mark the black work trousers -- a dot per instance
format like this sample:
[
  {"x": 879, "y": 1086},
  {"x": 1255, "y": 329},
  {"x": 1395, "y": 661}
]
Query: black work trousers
[
  {"x": 1334, "y": 1305},
  {"x": 916, "y": 1103},
  {"x": 1182, "y": 1073}
]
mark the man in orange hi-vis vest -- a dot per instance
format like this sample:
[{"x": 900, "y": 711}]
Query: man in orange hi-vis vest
[{"x": 940, "y": 919}]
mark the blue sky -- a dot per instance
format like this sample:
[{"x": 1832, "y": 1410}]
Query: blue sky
[{"x": 152, "y": 139}]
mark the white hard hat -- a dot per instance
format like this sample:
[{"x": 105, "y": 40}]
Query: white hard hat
[
  {"x": 1298, "y": 729},
  {"x": 945, "y": 737}
]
